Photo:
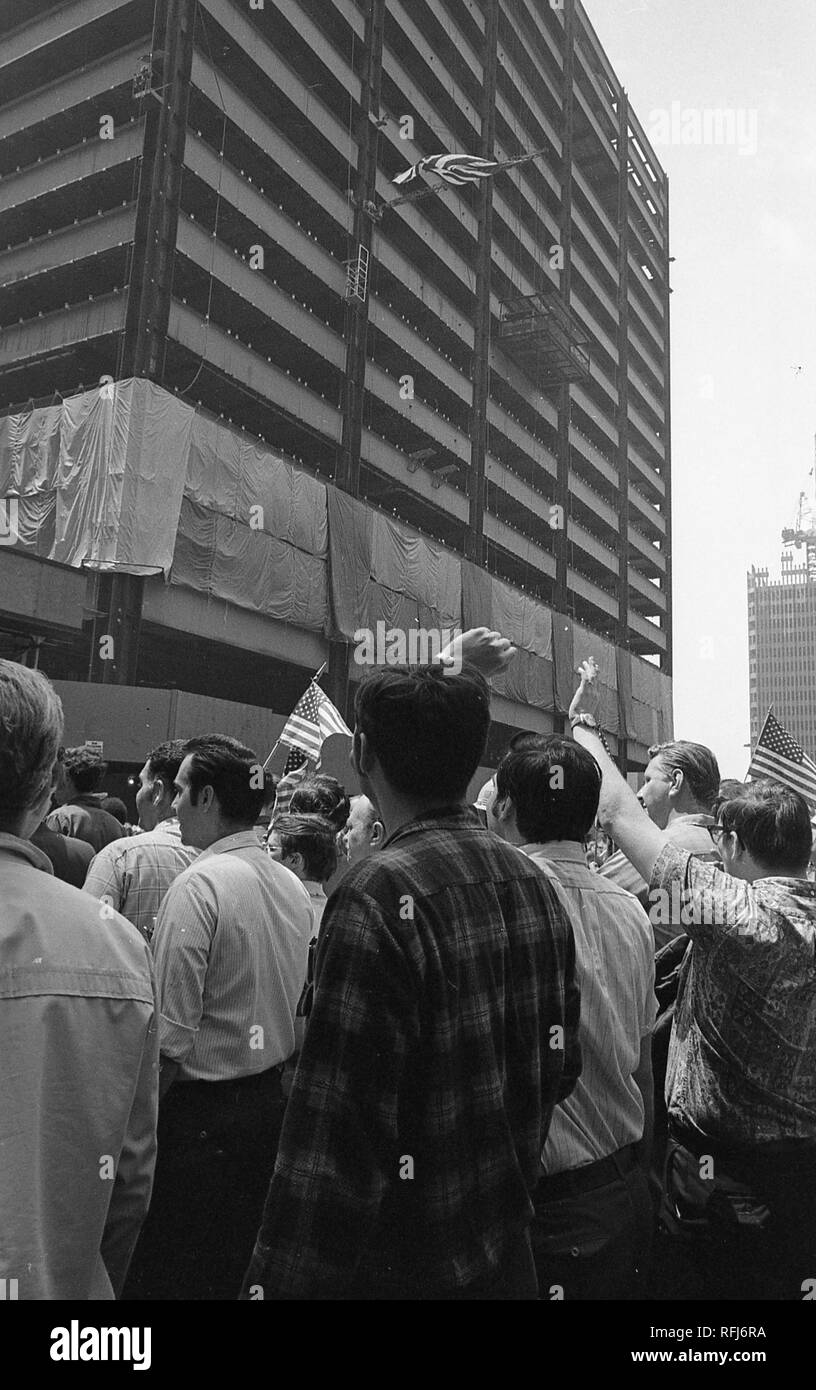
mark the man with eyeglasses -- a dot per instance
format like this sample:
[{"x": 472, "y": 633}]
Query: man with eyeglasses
[{"x": 739, "y": 1212}]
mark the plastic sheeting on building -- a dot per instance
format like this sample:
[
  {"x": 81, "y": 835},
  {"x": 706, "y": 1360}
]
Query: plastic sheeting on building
[
  {"x": 381, "y": 571},
  {"x": 129, "y": 478},
  {"x": 100, "y": 476}
]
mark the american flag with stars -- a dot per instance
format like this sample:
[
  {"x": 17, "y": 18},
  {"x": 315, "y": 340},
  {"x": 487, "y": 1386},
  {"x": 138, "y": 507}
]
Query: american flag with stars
[
  {"x": 778, "y": 756},
  {"x": 457, "y": 169},
  {"x": 311, "y": 722}
]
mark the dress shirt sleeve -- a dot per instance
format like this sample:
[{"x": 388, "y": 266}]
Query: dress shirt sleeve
[
  {"x": 134, "y": 1173},
  {"x": 711, "y": 903},
  {"x": 103, "y": 879},
  {"x": 572, "y": 1019},
  {"x": 339, "y": 1146},
  {"x": 181, "y": 948}
]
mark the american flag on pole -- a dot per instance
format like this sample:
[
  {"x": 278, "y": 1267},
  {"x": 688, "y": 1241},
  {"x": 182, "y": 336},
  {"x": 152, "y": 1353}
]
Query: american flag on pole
[
  {"x": 312, "y": 720},
  {"x": 453, "y": 168},
  {"x": 778, "y": 756}
]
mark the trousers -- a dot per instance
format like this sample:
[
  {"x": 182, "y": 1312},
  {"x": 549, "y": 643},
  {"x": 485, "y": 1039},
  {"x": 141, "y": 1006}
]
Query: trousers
[
  {"x": 734, "y": 1231},
  {"x": 217, "y": 1144},
  {"x": 592, "y": 1242}
]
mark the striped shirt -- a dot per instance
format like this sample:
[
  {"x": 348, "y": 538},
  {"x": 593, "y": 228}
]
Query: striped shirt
[
  {"x": 134, "y": 873},
  {"x": 230, "y": 948},
  {"x": 614, "y": 964}
]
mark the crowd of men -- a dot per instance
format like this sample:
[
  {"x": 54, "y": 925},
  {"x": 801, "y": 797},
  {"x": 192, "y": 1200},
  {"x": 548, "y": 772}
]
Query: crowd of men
[{"x": 402, "y": 1046}]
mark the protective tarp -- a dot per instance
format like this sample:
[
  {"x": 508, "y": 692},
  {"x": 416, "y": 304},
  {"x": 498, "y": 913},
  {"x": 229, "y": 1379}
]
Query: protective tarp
[
  {"x": 651, "y": 710},
  {"x": 382, "y": 572},
  {"x": 100, "y": 476},
  {"x": 225, "y": 558},
  {"x": 252, "y": 529},
  {"x": 488, "y": 602},
  {"x": 564, "y": 661},
  {"x": 586, "y": 644}
]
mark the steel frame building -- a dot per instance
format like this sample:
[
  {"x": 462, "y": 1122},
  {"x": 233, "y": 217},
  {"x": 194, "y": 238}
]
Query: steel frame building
[
  {"x": 197, "y": 192},
  {"x": 782, "y": 650}
]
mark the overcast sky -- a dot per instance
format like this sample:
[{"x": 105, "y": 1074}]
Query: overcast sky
[{"x": 743, "y": 330}]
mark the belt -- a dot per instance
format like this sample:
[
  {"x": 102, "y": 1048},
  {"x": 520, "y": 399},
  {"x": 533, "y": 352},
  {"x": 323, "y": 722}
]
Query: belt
[
  {"x": 255, "y": 1078},
  {"x": 574, "y": 1181},
  {"x": 796, "y": 1158}
]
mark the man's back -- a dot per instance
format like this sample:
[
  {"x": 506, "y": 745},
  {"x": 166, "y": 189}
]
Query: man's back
[
  {"x": 615, "y": 969},
  {"x": 134, "y": 873},
  {"x": 443, "y": 1032},
  {"x": 742, "y": 1067},
  {"x": 70, "y": 858},
  {"x": 688, "y": 832},
  {"x": 85, "y": 819},
  {"x": 230, "y": 946},
  {"x": 78, "y": 1085}
]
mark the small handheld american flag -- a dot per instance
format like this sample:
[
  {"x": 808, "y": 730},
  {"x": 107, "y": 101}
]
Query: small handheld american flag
[
  {"x": 311, "y": 722},
  {"x": 779, "y": 757}
]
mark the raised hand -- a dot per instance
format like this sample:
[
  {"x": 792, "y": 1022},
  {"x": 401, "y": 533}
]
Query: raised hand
[{"x": 486, "y": 650}]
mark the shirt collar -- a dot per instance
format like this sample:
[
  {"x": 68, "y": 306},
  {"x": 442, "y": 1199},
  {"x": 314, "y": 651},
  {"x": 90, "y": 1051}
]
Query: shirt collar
[
  {"x": 455, "y": 814},
  {"x": 313, "y": 888},
  {"x": 242, "y": 839},
  {"x": 23, "y": 849},
  {"x": 568, "y": 850},
  {"x": 693, "y": 818}
]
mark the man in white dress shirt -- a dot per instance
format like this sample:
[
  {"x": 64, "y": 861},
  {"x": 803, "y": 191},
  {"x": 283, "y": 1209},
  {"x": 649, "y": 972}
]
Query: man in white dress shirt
[
  {"x": 230, "y": 949},
  {"x": 592, "y": 1228}
]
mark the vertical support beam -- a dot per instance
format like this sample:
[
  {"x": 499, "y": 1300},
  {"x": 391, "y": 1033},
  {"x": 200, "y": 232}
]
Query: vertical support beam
[
  {"x": 160, "y": 191},
  {"x": 118, "y": 597},
  {"x": 562, "y": 495},
  {"x": 474, "y": 542},
  {"x": 622, "y": 633},
  {"x": 116, "y": 629},
  {"x": 668, "y": 626},
  {"x": 347, "y": 474}
]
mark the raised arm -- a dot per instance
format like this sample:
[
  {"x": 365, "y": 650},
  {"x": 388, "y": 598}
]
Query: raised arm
[{"x": 620, "y": 812}]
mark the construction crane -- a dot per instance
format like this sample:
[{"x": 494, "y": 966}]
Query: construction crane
[{"x": 804, "y": 532}]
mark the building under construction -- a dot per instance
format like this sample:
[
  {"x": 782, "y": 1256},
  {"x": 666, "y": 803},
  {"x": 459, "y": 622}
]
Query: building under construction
[
  {"x": 256, "y": 396},
  {"x": 782, "y": 635}
]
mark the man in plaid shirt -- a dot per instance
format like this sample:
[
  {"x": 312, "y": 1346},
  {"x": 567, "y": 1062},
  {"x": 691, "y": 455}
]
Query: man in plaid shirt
[{"x": 442, "y": 1035}]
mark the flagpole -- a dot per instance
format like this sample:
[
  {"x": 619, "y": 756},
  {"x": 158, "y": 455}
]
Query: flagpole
[
  {"x": 440, "y": 187},
  {"x": 315, "y": 677}
]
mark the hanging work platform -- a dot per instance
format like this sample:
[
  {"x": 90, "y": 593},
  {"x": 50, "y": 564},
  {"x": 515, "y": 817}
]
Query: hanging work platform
[{"x": 538, "y": 332}]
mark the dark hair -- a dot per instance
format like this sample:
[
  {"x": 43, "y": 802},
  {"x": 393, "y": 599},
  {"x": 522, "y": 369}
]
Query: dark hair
[
  {"x": 698, "y": 765},
  {"x": 321, "y": 795},
  {"x": 233, "y": 772},
  {"x": 166, "y": 759},
  {"x": 85, "y": 769},
  {"x": 427, "y": 728},
  {"x": 525, "y": 738},
  {"x": 115, "y": 806},
  {"x": 772, "y": 822},
  {"x": 729, "y": 788},
  {"x": 550, "y": 806},
  {"x": 312, "y": 836}
]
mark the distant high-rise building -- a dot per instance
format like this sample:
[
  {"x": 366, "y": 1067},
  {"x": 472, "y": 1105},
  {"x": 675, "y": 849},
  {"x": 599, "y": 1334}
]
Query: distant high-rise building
[{"x": 782, "y": 650}]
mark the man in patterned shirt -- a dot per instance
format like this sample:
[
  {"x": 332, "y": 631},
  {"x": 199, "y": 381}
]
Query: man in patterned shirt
[
  {"x": 739, "y": 1215},
  {"x": 443, "y": 1030},
  {"x": 133, "y": 874}
]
